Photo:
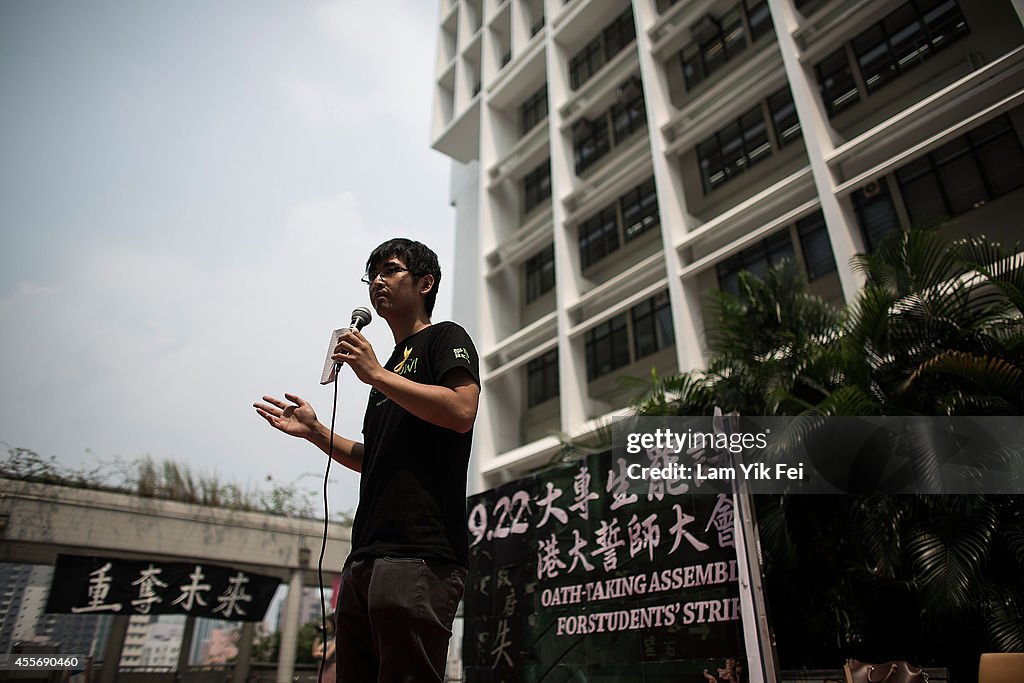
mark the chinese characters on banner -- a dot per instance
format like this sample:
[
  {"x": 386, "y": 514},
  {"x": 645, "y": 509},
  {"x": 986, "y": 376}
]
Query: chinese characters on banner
[
  {"x": 97, "y": 585},
  {"x": 578, "y": 570}
]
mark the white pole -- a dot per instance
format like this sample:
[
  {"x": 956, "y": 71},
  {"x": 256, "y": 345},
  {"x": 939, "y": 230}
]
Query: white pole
[{"x": 757, "y": 635}]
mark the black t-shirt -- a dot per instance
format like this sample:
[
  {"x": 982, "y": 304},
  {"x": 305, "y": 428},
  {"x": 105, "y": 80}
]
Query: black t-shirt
[{"x": 412, "y": 492}]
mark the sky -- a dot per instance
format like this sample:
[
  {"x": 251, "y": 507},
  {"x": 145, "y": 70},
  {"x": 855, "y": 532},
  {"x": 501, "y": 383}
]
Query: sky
[{"x": 188, "y": 193}]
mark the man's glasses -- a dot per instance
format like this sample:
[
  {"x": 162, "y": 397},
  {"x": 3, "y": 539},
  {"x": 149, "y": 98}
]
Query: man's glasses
[{"x": 389, "y": 271}]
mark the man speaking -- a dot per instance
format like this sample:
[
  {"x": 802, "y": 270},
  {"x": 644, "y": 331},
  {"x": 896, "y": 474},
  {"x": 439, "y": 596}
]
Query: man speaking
[{"x": 406, "y": 573}]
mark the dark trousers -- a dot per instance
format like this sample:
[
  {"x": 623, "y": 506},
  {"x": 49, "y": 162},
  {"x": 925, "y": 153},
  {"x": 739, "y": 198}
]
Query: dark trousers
[{"x": 394, "y": 619}]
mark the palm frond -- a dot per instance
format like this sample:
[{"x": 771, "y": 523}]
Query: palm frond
[
  {"x": 994, "y": 376},
  {"x": 1004, "y": 622},
  {"x": 908, "y": 261},
  {"x": 1002, "y": 268},
  {"x": 878, "y": 521},
  {"x": 775, "y": 532},
  {"x": 686, "y": 393},
  {"x": 948, "y": 552},
  {"x": 1012, "y": 536},
  {"x": 847, "y": 400},
  {"x": 577, "y": 447}
]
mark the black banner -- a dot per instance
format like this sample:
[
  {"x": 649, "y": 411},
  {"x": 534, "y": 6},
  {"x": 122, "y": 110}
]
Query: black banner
[
  {"x": 574, "y": 571},
  {"x": 98, "y": 585}
]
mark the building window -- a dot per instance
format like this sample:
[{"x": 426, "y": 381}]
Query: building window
[
  {"x": 876, "y": 214},
  {"x": 537, "y": 26},
  {"x": 1000, "y": 155},
  {"x": 586, "y": 62},
  {"x": 540, "y": 273},
  {"x": 965, "y": 173},
  {"x": 723, "y": 39},
  {"x": 607, "y": 347},
  {"x": 595, "y": 54},
  {"x": 618, "y": 34},
  {"x": 962, "y": 174},
  {"x": 533, "y": 110},
  {"x": 639, "y": 209},
  {"x": 758, "y": 17},
  {"x": 652, "y": 325},
  {"x": 536, "y": 186},
  {"x": 757, "y": 260},
  {"x": 607, "y": 344},
  {"x": 733, "y": 149},
  {"x": 835, "y": 78},
  {"x": 907, "y": 37},
  {"x": 591, "y": 140},
  {"x": 628, "y": 116},
  {"x": 876, "y": 63},
  {"x": 784, "y": 118},
  {"x": 599, "y": 236},
  {"x": 816, "y": 246},
  {"x": 542, "y": 379},
  {"x": 633, "y": 214}
]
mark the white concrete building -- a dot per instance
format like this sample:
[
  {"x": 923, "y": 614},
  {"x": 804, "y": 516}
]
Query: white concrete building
[
  {"x": 613, "y": 160},
  {"x": 24, "y": 589},
  {"x": 33, "y": 604},
  {"x": 135, "y": 640},
  {"x": 152, "y": 642},
  {"x": 163, "y": 644}
]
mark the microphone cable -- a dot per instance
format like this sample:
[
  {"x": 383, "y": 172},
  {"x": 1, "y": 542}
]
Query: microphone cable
[
  {"x": 323, "y": 542},
  {"x": 361, "y": 317}
]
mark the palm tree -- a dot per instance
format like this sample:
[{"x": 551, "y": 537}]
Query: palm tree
[
  {"x": 770, "y": 353},
  {"x": 937, "y": 330},
  {"x": 771, "y": 347}
]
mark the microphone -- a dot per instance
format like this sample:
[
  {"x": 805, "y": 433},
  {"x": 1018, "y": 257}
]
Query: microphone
[{"x": 361, "y": 317}]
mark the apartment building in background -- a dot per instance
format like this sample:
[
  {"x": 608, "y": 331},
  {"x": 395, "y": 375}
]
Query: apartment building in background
[
  {"x": 613, "y": 161},
  {"x": 24, "y": 624}
]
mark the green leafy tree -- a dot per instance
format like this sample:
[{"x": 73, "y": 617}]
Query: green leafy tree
[
  {"x": 266, "y": 647},
  {"x": 304, "y": 646},
  {"x": 771, "y": 346},
  {"x": 938, "y": 329}
]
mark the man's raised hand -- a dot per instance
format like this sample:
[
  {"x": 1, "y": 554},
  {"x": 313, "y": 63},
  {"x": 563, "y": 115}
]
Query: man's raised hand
[{"x": 295, "y": 419}]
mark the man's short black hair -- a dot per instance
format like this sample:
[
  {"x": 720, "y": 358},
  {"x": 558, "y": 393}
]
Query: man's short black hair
[{"x": 417, "y": 257}]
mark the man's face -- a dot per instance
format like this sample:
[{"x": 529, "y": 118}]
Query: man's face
[{"x": 393, "y": 288}]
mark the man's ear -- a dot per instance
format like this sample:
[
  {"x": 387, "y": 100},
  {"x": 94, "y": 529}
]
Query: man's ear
[{"x": 426, "y": 283}]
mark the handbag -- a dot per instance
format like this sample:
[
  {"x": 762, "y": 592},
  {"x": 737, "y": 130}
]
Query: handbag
[{"x": 898, "y": 671}]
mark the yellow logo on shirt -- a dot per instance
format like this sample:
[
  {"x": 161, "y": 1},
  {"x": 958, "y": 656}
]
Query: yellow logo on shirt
[
  {"x": 405, "y": 357},
  {"x": 407, "y": 364}
]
